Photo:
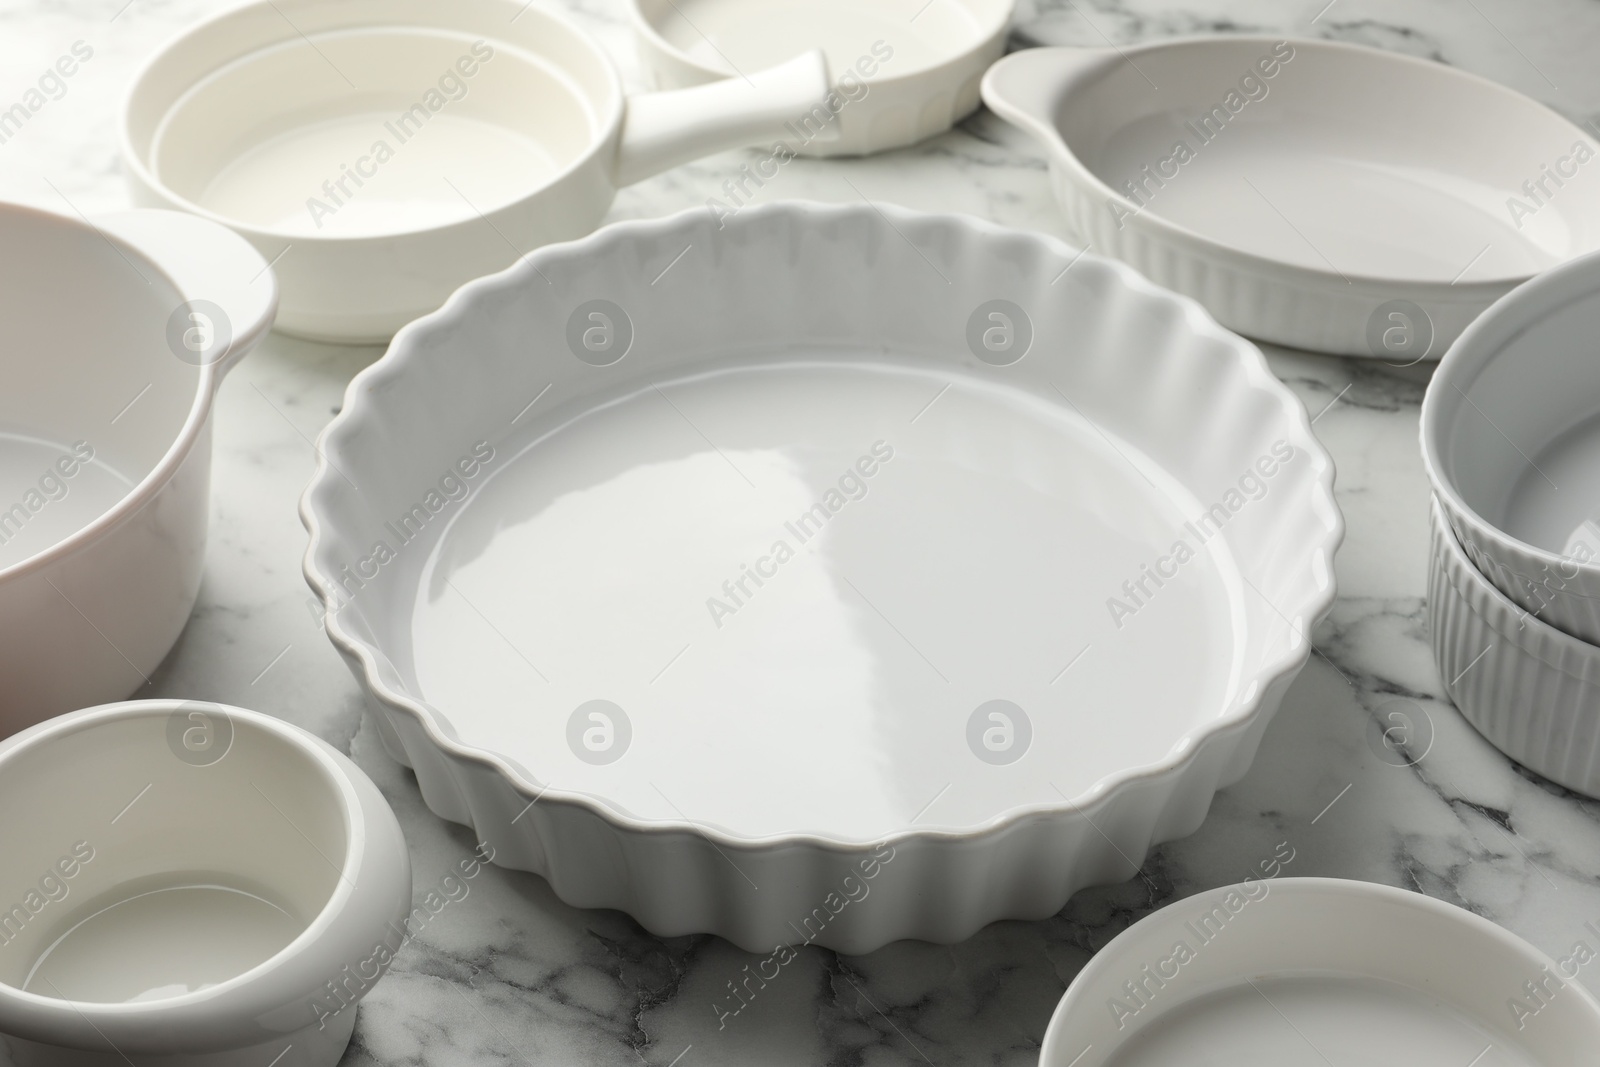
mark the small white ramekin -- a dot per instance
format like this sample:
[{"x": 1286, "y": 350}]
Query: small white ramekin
[
  {"x": 190, "y": 884},
  {"x": 1516, "y": 383},
  {"x": 1532, "y": 690}
]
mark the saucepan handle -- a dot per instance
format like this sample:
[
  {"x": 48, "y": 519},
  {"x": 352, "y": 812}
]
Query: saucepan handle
[
  {"x": 229, "y": 291},
  {"x": 666, "y": 129}
]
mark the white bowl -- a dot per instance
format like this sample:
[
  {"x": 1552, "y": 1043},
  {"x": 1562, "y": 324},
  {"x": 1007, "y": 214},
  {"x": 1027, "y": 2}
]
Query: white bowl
[
  {"x": 1317, "y": 971},
  {"x": 1511, "y": 442},
  {"x": 119, "y": 331},
  {"x": 904, "y": 70},
  {"x": 188, "y": 883},
  {"x": 547, "y": 531},
  {"x": 1311, "y": 193},
  {"x": 402, "y": 147},
  {"x": 1529, "y": 688}
]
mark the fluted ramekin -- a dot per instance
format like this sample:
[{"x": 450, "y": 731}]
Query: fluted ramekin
[{"x": 1531, "y": 690}]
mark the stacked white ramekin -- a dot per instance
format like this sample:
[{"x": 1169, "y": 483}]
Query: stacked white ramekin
[{"x": 1510, "y": 438}]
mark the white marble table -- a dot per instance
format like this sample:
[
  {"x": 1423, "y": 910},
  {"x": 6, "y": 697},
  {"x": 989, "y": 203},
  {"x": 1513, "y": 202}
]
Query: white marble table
[{"x": 509, "y": 974}]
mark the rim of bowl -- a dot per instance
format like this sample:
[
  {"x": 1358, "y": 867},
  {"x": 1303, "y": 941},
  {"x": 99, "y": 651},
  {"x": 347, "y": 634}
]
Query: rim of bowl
[
  {"x": 1466, "y": 291},
  {"x": 199, "y": 1002},
  {"x": 1478, "y": 347},
  {"x": 361, "y": 395},
  {"x": 646, "y": 28},
  {"x": 607, "y": 127},
  {"x": 152, "y": 483},
  {"x": 1374, "y": 892}
]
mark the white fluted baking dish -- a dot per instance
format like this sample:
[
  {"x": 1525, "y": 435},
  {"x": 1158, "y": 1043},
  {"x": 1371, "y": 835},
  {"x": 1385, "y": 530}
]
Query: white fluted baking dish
[
  {"x": 903, "y": 70},
  {"x": 816, "y": 575},
  {"x": 1511, "y": 442},
  {"x": 1529, "y": 688},
  {"x": 1311, "y": 193},
  {"x": 190, "y": 883}
]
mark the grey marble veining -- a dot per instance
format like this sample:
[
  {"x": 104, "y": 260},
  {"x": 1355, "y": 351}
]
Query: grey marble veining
[{"x": 511, "y": 975}]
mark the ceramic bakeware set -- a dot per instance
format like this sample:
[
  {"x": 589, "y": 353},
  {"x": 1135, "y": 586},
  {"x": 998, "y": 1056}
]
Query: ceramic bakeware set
[{"x": 806, "y": 575}]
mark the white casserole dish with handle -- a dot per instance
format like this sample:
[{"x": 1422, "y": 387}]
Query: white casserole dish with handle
[{"x": 382, "y": 152}]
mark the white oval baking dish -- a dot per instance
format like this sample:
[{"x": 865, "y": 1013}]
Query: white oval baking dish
[
  {"x": 199, "y": 884},
  {"x": 904, "y": 70},
  {"x": 105, "y": 441},
  {"x": 1310, "y": 193},
  {"x": 1529, "y": 688},
  {"x": 547, "y": 531},
  {"x": 1271, "y": 972},
  {"x": 403, "y": 147},
  {"x": 1511, "y": 443}
]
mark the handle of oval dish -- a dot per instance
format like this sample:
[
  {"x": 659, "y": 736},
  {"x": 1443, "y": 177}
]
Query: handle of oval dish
[
  {"x": 229, "y": 291},
  {"x": 1026, "y": 87},
  {"x": 666, "y": 129}
]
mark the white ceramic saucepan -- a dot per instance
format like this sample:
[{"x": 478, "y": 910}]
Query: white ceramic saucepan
[
  {"x": 190, "y": 885},
  {"x": 1308, "y": 972},
  {"x": 904, "y": 70},
  {"x": 118, "y": 333},
  {"x": 1312, "y": 193},
  {"x": 383, "y": 152}
]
